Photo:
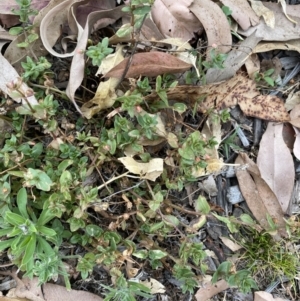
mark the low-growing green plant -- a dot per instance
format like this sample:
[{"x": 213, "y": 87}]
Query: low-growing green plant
[
  {"x": 138, "y": 10},
  {"x": 230, "y": 143},
  {"x": 99, "y": 52},
  {"x": 48, "y": 198},
  {"x": 242, "y": 279},
  {"x": 265, "y": 76},
  {"x": 34, "y": 70},
  {"x": 126, "y": 290},
  {"x": 24, "y": 12},
  {"x": 27, "y": 234}
]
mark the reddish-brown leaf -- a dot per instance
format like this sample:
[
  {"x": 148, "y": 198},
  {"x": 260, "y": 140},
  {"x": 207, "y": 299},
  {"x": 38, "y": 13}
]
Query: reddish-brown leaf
[{"x": 149, "y": 64}]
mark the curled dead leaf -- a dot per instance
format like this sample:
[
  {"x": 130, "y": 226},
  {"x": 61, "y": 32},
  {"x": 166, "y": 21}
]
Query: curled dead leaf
[{"x": 150, "y": 171}]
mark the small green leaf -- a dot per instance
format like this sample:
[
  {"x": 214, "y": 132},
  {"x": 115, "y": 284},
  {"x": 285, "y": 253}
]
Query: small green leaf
[
  {"x": 142, "y": 10},
  {"x": 22, "y": 202},
  {"x": 157, "y": 254},
  {"x": 156, "y": 226},
  {"x": 46, "y": 231},
  {"x": 45, "y": 217},
  {"x": 23, "y": 45},
  {"x": 32, "y": 37},
  {"x": 226, "y": 10},
  {"x": 269, "y": 72},
  {"x": 246, "y": 218},
  {"x": 64, "y": 164},
  {"x": 5, "y": 244},
  {"x": 14, "y": 219},
  {"x": 14, "y": 31},
  {"x": 29, "y": 251},
  {"x": 142, "y": 254},
  {"x": 171, "y": 220},
  {"x": 38, "y": 178},
  {"x": 179, "y": 107},
  {"x": 201, "y": 205},
  {"x": 270, "y": 81},
  {"x": 124, "y": 31}
]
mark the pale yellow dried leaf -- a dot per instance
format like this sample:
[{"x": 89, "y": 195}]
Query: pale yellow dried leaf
[
  {"x": 212, "y": 128},
  {"x": 55, "y": 143},
  {"x": 283, "y": 5},
  {"x": 104, "y": 98},
  {"x": 148, "y": 142},
  {"x": 242, "y": 13},
  {"x": 292, "y": 100},
  {"x": 172, "y": 140},
  {"x": 269, "y": 46},
  {"x": 150, "y": 171},
  {"x": 155, "y": 286},
  {"x": 264, "y": 12},
  {"x": 233, "y": 246},
  {"x": 105, "y": 95},
  {"x": 196, "y": 224},
  {"x": 276, "y": 164},
  {"x": 111, "y": 60},
  {"x": 252, "y": 65}
]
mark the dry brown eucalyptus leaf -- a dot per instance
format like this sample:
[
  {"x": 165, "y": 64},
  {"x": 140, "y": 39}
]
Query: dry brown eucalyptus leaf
[
  {"x": 149, "y": 64},
  {"x": 276, "y": 164},
  {"x": 283, "y": 30},
  {"x": 242, "y": 13},
  {"x": 238, "y": 90},
  {"x": 259, "y": 197},
  {"x": 215, "y": 23},
  {"x": 234, "y": 61},
  {"x": 174, "y": 19}
]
